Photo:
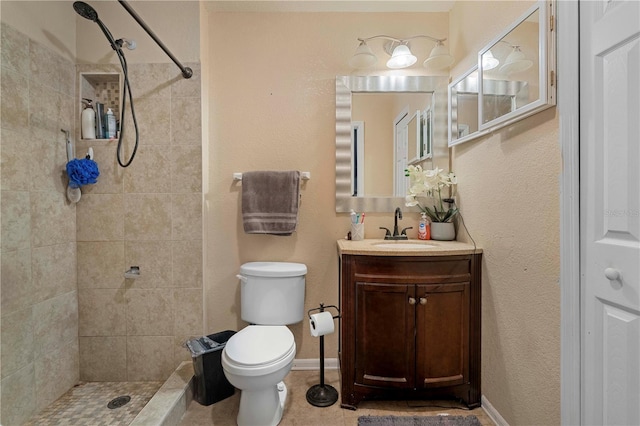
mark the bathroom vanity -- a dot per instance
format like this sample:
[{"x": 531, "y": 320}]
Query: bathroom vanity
[{"x": 410, "y": 320}]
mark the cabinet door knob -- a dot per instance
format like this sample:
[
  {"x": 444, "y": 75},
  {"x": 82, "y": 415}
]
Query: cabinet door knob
[
  {"x": 423, "y": 300},
  {"x": 612, "y": 274},
  {"x": 412, "y": 301}
]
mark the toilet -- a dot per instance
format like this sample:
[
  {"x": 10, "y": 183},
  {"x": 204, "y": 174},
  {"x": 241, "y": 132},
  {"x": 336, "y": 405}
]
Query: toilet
[{"x": 257, "y": 358}]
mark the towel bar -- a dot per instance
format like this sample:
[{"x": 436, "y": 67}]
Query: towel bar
[{"x": 303, "y": 176}]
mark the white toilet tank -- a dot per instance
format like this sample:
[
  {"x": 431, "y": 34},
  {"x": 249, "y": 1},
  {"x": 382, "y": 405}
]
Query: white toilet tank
[{"x": 272, "y": 293}]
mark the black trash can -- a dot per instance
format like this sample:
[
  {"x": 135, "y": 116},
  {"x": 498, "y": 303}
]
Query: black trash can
[{"x": 209, "y": 382}]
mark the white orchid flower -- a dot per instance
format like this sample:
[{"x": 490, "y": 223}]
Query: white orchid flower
[{"x": 429, "y": 183}]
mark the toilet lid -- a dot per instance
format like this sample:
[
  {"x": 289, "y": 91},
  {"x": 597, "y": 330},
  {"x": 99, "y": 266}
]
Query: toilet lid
[
  {"x": 259, "y": 344},
  {"x": 274, "y": 269}
]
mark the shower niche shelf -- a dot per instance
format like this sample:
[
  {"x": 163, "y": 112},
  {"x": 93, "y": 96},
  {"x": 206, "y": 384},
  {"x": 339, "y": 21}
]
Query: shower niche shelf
[{"x": 100, "y": 87}]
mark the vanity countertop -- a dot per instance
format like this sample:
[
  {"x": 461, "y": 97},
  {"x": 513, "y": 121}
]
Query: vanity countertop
[{"x": 379, "y": 247}]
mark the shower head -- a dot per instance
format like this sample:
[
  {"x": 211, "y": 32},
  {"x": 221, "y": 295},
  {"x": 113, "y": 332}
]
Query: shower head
[{"x": 85, "y": 11}]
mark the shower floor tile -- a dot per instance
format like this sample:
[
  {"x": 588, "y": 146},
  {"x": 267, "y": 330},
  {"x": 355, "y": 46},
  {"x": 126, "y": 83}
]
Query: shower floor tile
[{"x": 86, "y": 404}]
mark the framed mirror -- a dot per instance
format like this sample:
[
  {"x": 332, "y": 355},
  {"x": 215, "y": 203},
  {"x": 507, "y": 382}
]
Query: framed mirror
[
  {"x": 405, "y": 120},
  {"x": 463, "y": 107},
  {"x": 515, "y": 76}
]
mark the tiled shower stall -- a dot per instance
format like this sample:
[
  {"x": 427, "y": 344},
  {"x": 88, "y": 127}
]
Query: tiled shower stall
[{"x": 67, "y": 312}]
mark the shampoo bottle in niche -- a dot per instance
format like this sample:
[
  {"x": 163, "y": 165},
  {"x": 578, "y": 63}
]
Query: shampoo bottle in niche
[
  {"x": 88, "y": 120},
  {"x": 110, "y": 124},
  {"x": 424, "y": 230}
]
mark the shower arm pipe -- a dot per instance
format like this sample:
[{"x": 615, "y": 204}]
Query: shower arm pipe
[{"x": 186, "y": 71}]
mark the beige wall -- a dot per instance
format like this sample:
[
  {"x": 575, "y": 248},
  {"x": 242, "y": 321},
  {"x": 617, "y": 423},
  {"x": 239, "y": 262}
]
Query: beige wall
[
  {"x": 176, "y": 24},
  {"x": 508, "y": 192},
  {"x": 272, "y": 106},
  {"x": 47, "y": 22},
  {"x": 39, "y": 311},
  {"x": 377, "y": 114}
]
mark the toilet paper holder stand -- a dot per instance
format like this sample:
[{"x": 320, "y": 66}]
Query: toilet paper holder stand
[{"x": 322, "y": 395}]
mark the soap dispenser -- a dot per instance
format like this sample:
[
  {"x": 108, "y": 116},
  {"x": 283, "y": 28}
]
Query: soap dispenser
[
  {"x": 424, "y": 230},
  {"x": 88, "y": 120}
]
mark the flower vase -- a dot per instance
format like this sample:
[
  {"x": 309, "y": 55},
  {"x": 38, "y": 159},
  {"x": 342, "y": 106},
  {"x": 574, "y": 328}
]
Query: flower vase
[{"x": 443, "y": 231}]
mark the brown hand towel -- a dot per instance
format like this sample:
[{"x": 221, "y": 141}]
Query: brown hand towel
[{"x": 270, "y": 202}]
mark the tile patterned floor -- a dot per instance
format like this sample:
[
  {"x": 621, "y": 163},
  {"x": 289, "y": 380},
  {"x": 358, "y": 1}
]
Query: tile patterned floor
[
  {"x": 86, "y": 404},
  {"x": 298, "y": 412}
]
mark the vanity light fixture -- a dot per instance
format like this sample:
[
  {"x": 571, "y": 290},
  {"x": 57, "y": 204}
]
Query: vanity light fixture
[
  {"x": 400, "y": 52},
  {"x": 489, "y": 61},
  {"x": 516, "y": 62}
]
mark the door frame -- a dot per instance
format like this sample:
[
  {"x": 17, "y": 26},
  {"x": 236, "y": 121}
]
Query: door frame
[
  {"x": 398, "y": 175},
  {"x": 567, "y": 19}
]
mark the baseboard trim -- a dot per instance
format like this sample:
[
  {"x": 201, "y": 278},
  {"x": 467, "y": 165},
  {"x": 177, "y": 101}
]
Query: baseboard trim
[
  {"x": 314, "y": 364},
  {"x": 492, "y": 412}
]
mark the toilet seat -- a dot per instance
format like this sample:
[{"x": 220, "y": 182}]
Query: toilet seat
[{"x": 259, "y": 349}]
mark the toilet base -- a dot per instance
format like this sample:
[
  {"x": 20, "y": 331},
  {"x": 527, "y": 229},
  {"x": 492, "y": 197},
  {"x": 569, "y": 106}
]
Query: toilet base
[{"x": 262, "y": 407}]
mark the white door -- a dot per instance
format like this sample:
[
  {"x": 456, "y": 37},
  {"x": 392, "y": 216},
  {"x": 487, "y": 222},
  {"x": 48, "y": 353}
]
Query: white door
[{"x": 610, "y": 211}]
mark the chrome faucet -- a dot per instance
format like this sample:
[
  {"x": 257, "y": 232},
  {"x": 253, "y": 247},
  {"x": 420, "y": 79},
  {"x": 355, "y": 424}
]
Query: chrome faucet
[{"x": 396, "y": 235}]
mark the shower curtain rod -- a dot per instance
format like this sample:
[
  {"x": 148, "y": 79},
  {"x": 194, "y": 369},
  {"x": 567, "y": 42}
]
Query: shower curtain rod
[{"x": 186, "y": 71}]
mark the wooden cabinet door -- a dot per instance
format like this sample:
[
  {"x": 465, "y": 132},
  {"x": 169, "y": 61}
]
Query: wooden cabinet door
[
  {"x": 385, "y": 336},
  {"x": 442, "y": 335}
]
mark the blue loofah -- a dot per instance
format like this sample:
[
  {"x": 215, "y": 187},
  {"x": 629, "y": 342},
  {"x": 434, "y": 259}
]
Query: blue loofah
[{"x": 82, "y": 172}]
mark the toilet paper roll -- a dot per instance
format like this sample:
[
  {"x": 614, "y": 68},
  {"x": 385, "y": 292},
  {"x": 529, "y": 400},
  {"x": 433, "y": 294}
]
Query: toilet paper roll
[{"x": 321, "y": 324}]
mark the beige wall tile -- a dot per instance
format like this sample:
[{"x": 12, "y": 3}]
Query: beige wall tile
[
  {"x": 15, "y": 50},
  {"x": 150, "y": 312},
  {"x": 44, "y": 105},
  {"x": 149, "y": 358},
  {"x": 46, "y": 67},
  {"x": 67, "y": 115},
  {"x": 101, "y": 312},
  {"x": 187, "y": 216},
  {"x": 16, "y": 220},
  {"x": 53, "y": 220},
  {"x": 188, "y": 87},
  {"x": 101, "y": 264},
  {"x": 186, "y": 169},
  {"x": 18, "y": 393},
  {"x": 180, "y": 352},
  {"x": 53, "y": 270},
  {"x": 147, "y": 217},
  {"x": 154, "y": 260},
  {"x": 14, "y": 107},
  {"x": 111, "y": 176},
  {"x": 103, "y": 359},
  {"x": 55, "y": 323},
  {"x": 153, "y": 115},
  {"x": 100, "y": 217},
  {"x": 56, "y": 371},
  {"x": 17, "y": 287},
  {"x": 188, "y": 311},
  {"x": 187, "y": 264},
  {"x": 150, "y": 174},
  {"x": 17, "y": 157},
  {"x": 66, "y": 76},
  {"x": 150, "y": 80},
  {"x": 48, "y": 173},
  {"x": 17, "y": 335},
  {"x": 186, "y": 121}
]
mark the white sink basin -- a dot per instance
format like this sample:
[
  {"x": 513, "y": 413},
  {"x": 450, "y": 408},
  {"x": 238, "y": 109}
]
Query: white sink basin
[{"x": 404, "y": 245}]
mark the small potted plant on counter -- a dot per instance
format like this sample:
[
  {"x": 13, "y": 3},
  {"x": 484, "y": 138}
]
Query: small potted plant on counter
[{"x": 429, "y": 184}]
